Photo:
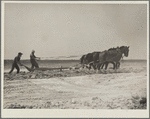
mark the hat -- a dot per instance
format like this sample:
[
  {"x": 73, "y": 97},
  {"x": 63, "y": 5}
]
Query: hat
[
  {"x": 20, "y": 53},
  {"x": 33, "y": 50}
]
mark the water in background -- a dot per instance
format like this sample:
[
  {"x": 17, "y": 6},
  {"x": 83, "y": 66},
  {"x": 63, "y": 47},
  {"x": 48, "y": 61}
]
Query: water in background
[{"x": 68, "y": 63}]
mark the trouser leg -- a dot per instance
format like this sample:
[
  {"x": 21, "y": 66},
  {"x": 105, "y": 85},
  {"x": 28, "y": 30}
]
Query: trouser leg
[
  {"x": 12, "y": 68},
  {"x": 34, "y": 64},
  {"x": 17, "y": 67}
]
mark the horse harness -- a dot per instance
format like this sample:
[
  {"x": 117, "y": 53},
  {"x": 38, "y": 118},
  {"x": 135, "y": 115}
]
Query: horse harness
[{"x": 118, "y": 53}]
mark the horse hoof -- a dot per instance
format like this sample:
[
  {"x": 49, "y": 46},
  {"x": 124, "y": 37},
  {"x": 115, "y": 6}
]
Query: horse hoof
[
  {"x": 99, "y": 71},
  {"x": 115, "y": 70},
  {"x": 105, "y": 71}
]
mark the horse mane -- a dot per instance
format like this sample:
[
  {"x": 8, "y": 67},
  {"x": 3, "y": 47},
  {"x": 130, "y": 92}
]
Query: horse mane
[
  {"x": 96, "y": 52},
  {"x": 116, "y": 48},
  {"x": 112, "y": 48},
  {"x": 123, "y": 47}
]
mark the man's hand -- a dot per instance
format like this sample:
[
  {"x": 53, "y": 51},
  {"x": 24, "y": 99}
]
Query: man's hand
[{"x": 38, "y": 58}]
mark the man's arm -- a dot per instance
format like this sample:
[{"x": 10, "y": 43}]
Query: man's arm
[
  {"x": 34, "y": 57},
  {"x": 37, "y": 58}
]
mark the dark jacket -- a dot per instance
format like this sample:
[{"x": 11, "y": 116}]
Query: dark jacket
[{"x": 17, "y": 60}]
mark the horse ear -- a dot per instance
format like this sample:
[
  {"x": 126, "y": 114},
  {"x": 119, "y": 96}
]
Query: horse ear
[{"x": 128, "y": 46}]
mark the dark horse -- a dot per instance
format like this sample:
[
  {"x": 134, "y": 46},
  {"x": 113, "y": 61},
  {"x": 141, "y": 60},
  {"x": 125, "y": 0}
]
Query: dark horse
[
  {"x": 117, "y": 65},
  {"x": 91, "y": 59},
  {"x": 112, "y": 55},
  {"x": 87, "y": 59}
]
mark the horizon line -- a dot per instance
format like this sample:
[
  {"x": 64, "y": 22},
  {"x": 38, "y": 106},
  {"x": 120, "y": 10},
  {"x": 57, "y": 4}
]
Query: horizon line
[{"x": 72, "y": 59}]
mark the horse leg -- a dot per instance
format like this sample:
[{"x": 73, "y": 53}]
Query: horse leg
[
  {"x": 89, "y": 66},
  {"x": 114, "y": 65},
  {"x": 94, "y": 65},
  {"x": 98, "y": 66},
  {"x": 106, "y": 65},
  {"x": 118, "y": 65},
  {"x": 102, "y": 65},
  {"x": 82, "y": 66}
]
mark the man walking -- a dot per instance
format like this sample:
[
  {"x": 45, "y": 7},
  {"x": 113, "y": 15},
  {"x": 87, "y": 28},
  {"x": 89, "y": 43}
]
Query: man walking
[
  {"x": 16, "y": 62},
  {"x": 33, "y": 60}
]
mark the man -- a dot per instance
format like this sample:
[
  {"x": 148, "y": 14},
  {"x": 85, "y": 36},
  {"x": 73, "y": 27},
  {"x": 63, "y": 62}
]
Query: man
[
  {"x": 16, "y": 62},
  {"x": 33, "y": 59}
]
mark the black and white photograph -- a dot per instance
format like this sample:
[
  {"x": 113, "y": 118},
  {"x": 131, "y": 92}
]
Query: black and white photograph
[{"x": 75, "y": 57}]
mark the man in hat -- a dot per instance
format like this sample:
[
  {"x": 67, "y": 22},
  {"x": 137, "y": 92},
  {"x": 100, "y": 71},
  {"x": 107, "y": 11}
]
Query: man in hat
[
  {"x": 33, "y": 60},
  {"x": 16, "y": 62}
]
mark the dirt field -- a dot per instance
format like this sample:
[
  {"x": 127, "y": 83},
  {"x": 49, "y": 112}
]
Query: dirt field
[{"x": 125, "y": 88}]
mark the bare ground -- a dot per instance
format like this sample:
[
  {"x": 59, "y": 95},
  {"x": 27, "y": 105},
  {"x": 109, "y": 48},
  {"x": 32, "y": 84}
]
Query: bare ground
[{"x": 77, "y": 89}]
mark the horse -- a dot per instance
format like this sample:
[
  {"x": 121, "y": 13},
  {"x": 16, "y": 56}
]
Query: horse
[
  {"x": 91, "y": 60},
  {"x": 106, "y": 63},
  {"x": 96, "y": 60},
  {"x": 113, "y": 55},
  {"x": 86, "y": 60}
]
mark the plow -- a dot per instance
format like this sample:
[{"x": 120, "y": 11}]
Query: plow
[{"x": 46, "y": 68}]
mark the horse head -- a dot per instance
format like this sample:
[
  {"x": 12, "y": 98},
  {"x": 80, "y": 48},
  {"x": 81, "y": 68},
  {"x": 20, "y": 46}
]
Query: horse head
[{"x": 125, "y": 50}]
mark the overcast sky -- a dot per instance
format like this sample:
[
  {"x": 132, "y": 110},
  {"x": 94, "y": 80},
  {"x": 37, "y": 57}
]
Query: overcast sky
[{"x": 74, "y": 29}]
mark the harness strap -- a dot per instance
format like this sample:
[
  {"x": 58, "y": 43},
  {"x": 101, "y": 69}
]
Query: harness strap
[
  {"x": 115, "y": 56},
  {"x": 122, "y": 58}
]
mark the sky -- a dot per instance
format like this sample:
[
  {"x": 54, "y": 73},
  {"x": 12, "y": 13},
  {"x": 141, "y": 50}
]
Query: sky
[{"x": 74, "y": 29}]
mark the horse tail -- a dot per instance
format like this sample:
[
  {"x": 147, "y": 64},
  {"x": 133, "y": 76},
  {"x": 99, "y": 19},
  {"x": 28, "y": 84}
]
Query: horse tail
[{"x": 81, "y": 59}]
